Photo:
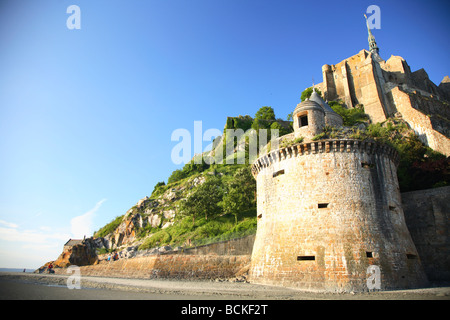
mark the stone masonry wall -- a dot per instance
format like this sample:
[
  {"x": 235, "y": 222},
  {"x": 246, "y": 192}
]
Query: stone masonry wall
[
  {"x": 355, "y": 81},
  {"x": 427, "y": 214},
  {"x": 224, "y": 259},
  {"x": 173, "y": 266},
  {"x": 236, "y": 247},
  {"x": 419, "y": 122}
]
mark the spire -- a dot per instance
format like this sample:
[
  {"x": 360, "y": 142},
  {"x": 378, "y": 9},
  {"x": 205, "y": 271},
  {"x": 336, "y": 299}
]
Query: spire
[{"x": 372, "y": 43}]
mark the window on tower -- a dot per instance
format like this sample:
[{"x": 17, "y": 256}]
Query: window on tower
[{"x": 303, "y": 120}]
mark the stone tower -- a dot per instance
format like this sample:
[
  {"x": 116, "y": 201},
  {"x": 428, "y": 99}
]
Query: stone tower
[
  {"x": 389, "y": 88},
  {"x": 329, "y": 209}
]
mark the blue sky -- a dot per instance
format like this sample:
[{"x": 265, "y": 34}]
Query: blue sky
[{"x": 86, "y": 116}]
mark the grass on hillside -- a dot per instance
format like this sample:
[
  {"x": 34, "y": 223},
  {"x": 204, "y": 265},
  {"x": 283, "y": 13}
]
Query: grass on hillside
[
  {"x": 204, "y": 231},
  {"x": 218, "y": 228}
]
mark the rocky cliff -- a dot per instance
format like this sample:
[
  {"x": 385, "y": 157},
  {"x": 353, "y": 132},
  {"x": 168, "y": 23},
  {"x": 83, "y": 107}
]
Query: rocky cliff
[
  {"x": 81, "y": 254},
  {"x": 148, "y": 216}
]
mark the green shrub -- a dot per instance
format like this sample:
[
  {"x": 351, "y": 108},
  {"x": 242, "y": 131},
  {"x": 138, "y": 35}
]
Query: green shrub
[
  {"x": 110, "y": 227},
  {"x": 159, "y": 189},
  {"x": 189, "y": 169},
  {"x": 419, "y": 167},
  {"x": 282, "y": 130},
  {"x": 287, "y": 143},
  {"x": 176, "y": 175},
  {"x": 349, "y": 116},
  {"x": 318, "y": 136},
  {"x": 306, "y": 94},
  {"x": 157, "y": 239}
]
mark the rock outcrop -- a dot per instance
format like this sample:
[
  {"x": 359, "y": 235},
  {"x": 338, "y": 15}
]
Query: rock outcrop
[{"x": 82, "y": 254}]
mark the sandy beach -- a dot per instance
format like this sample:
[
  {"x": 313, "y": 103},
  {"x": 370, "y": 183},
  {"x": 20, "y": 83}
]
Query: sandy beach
[{"x": 30, "y": 286}]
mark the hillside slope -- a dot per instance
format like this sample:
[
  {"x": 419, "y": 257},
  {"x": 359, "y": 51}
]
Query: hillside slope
[{"x": 199, "y": 204}]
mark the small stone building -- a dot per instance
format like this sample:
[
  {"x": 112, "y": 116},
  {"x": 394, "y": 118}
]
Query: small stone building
[{"x": 72, "y": 242}]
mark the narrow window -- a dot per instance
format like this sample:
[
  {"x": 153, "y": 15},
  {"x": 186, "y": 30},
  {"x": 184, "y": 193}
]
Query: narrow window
[
  {"x": 367, "y": 165},
  {"x": 369, "y": 254},
  {"x": 322, "y": 205},
  {"x": 306, "y": 258},
  {"x": 411, "y": 256},
  {"x": 277, "y": 173},
  {"x": 303, "y": 121}
]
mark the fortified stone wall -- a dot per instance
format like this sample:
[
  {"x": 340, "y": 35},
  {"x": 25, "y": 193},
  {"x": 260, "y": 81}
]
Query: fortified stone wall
[
  {"x": 173, "y": 266},
  {"x": 236, "y": 247},
  {"x": 224, "y": 259},
  {"x": 328, "y": 210},
  {"x": 427, "y": 214},
  {"x": 422, "y": 124}
]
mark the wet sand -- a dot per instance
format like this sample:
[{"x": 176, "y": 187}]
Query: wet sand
[{"x": 25, "y": 286}]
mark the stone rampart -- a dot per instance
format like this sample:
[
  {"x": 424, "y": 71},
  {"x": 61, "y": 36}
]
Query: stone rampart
[
  {"x": 236, "y": 247},
  {"x": 225, "y": 259},
  {"x": 173, "y": 266},
  {"x": 420, "y": 122},
  {"x": 427, "y": 214}
]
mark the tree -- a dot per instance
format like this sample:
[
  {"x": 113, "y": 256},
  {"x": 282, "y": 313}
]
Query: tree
[
  {"x": 282, "y": 130},
  {"x": 189, "y": 169},
  {"x": 176, "y": 175},
  {"x": 240, "y": 194},
  {"x": 158, "y": 187},
  {"x": 204, "y": 199},
  {"x": 307, "y": 93},
  {"x": 265, "y": 113}
]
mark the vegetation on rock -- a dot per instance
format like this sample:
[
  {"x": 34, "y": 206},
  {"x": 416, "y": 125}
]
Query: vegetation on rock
[
  {"x": 349, "y": 116},
  {"x": 307, "y": 93},
  {"x": 420, "y": 167}
]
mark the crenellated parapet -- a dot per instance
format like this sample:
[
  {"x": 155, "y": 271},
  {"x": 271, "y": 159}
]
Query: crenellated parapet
[{"x": 324, "y": 146}]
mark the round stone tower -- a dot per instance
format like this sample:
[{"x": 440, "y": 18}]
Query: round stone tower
[{"x": 330, "y": 215}]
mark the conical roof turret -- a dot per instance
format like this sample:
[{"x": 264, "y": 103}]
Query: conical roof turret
[
  {"x": 331, "y": 117},
  {"x": 318, "y": 99}
]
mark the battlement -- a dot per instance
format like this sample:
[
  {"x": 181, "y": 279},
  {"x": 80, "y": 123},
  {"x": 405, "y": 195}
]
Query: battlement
[{"x": 324, "y": 146}]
